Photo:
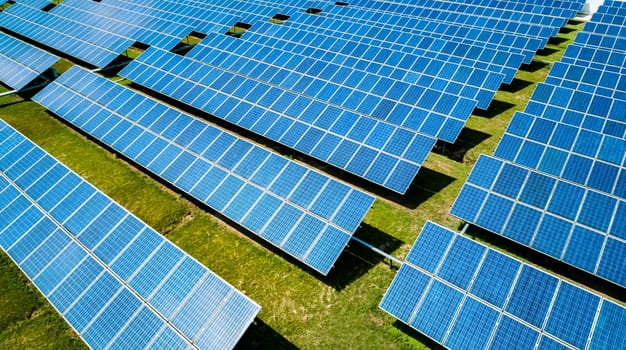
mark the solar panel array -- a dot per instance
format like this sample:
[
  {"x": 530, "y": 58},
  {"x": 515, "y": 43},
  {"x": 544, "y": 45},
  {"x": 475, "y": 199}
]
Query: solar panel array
[
  {"x": 465, "y": 295},
  {"x": 21, "y": 63},
  {"x": 557, "y": 182},
  {"x": 373, "y": 149},
  {"x": 299, "y": 210},
  {"x": 343, "y": 71},
  {"x": 116, "y": 281},
  {"x": 157, "y": 32},
  {"x": 83, "y": 41},
  {"x": 380, "y": 67}
]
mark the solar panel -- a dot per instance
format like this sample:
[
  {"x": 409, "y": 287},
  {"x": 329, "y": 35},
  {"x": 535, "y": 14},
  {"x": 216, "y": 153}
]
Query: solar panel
[
  {"x": 329, "y": 64},
  {"x": 21, "y": 63},
  {"x": 116, "y": 281},
  {"x": 150, "y": 30},
  {"x": 586, "y": 157},
  {"x": 384, "y": 98},
  {"x": 87, "y": 43},
  {"x": 505, "y": 304},
  {"x": 567, "y": 221},
  {"x": 301, "y": 211},
  {"x": 375, "y": 150}
]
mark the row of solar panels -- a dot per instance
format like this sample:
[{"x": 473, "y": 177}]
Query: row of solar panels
[
  {"x": 21, "y": 63},
  {"x": 558, "y": 180},
  {"x": 384, "y": 98},
  {"x": 117, "y": 282},
  {"x": 300, "y": 211},
  {"x": 465, "y": 295}
]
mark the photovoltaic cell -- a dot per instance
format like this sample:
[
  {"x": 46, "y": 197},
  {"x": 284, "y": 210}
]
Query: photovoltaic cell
[
  {"x": 508, "y": 304},
  {"x": 103, "y": 295}
]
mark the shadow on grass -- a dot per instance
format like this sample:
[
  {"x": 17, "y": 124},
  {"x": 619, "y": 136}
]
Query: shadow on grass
[
  {"x": 468, "y": 139},
  {"x": 495, "y": 108},
  {"x": 261, "y": 336},
  {"x": 516, "y": 85},
  {"x": 546, "y": 51},
  {"x": 575, "y": 22},
  {"x": 535, "y": 65},
  {"x": 557, "y": 41},
  {"x": 426, "y": 183},
  {"x": 8, "y": 104},
  {"x": 417, "y": 335},
  {"x": 537, "y": 258},
  {"x": 115, "y": 66},
  {"x": 566, "y": 30},
  {"x": 356, "y": 260}
]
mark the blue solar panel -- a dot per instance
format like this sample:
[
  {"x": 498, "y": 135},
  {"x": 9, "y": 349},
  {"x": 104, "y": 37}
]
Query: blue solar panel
[
  {"x": 308, "y": 205},
  {"x": 576, "y": 223},
  {"x": 144, "y": 28},
  {"x": 21, "y": 63},
  {"x": 296, "y": 60},
  {"x": 508, "y": 304},
  {"x": 89, "y": 44},
  {"x": 109, "y": 304},
  {"x": 571, "y": 142},
  {"x": 355, "y": 151}
]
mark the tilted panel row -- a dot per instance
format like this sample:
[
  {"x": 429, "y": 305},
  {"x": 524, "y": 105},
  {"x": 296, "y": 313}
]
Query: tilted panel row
[
  {"x": 87, "y": 43},
  {"x": 375, "y": 150},
  {"x": 301, "y": 211},
  {"x": 21, "y": 63},
  {"x": 577, "y": 225},
  {"x": 373, "y": 95},
  {"x": 148, "y": 30},
  {"x": 380, "y": 65},
  {"x": 586, "y": 157},
  {"x": 116, "y": 281},
  {"x": 465, "y": 295},
  {"x": 579, "y": 108}
]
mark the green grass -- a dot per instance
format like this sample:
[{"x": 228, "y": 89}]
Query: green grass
[{"x": 300, "y": 308}]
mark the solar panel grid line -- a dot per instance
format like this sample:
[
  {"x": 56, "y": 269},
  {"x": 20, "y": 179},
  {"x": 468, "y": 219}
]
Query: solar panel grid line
[
  {"x": 76, "y": 242},
  {"x": 29, "y": 61},
  {"x": 197, "y": 16},
  {"x": 313, "y": 214},
  {"x": 407, "y": 34},
  {"x": 571, "y": 157},
  {"x": 604, "y": 144},
  {"x": 566, "y": 99},
  {"x": 613, "y": 236},
  {"x": 299, "y": 17},
  {"x": 296, "y": 18},
  {"x": 200, "y": 51},
  {"x": 132, "y": 73},
  {"x": 167, "y": 276},
  {"x": 467, "y": 294}
]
